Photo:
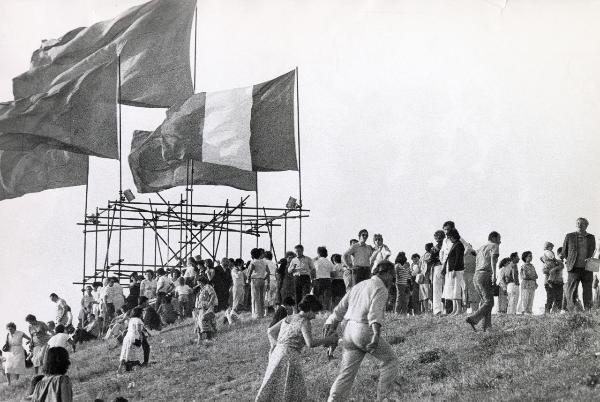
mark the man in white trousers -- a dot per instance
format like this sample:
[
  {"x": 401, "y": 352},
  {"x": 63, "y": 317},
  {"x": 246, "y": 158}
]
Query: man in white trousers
[{"x": 363, "y": 309}]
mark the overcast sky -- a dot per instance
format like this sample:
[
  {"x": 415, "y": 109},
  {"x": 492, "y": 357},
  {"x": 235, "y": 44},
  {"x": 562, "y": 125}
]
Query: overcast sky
[{"x": 411, "y": 113}]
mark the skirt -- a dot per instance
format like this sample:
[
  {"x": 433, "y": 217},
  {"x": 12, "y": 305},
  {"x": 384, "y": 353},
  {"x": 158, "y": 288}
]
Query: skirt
[
  {"x": 453, "y": 286},
  {"x": 39, "y": 354},
  {"x": 283, "y": 380},
  {"x": 14, "y": 360},
  {"x": 206, "y": 322},
  {"x": 130, "y": 352},
  {"x": 424, "y": 291}
]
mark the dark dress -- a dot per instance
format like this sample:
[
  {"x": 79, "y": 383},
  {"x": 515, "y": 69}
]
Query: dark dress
[
  {"x": 134, "y": 293},
  {"x": 221, "y": 282}
]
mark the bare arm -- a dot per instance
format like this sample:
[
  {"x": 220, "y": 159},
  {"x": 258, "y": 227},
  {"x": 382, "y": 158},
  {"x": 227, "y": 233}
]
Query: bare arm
[{"x": 273, "y": 334}]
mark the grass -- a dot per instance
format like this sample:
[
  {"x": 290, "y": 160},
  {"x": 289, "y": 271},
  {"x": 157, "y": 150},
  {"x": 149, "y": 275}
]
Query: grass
[{"x": 524, "y": 358}]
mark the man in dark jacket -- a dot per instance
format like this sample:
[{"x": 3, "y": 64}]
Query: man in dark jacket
[{"x": 577, "y": 248}]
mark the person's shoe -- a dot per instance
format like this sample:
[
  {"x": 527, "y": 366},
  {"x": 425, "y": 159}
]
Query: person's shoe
[{"x": 472, "y": 323}]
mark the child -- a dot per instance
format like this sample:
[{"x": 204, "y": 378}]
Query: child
[
  {"x": 183, "y": 293},
  {"x": 206, "y": 302},
  {"x": 130, "y": 351},
  {"x": 287, "y": 308},
  {"x": 423, "y": 278}
]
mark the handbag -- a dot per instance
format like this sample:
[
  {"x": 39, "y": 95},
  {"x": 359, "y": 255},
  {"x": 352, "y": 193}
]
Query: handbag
[
  {"x": 137, "y": 342},
  {"x": 28, "y": 362},
  {"x": 6, "y": 347}
]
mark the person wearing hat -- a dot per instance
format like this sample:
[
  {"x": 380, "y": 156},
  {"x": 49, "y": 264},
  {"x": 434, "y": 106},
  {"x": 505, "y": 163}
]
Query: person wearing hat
[{"x": 363, "y": 308}]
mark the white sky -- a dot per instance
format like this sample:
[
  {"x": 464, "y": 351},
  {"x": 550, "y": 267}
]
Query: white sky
[{"x": 412, "y": 113}]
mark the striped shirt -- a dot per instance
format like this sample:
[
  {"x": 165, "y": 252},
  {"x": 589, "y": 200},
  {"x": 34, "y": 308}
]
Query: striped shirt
[{"x": 402, "y": 273}]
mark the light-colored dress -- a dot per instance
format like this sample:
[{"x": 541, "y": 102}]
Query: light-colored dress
[
  {"x": 271, "y": 294},
  {"x": 283, "y": 379},
  {"x": 130, "y": 352},
  {"x": 15, "y": 359},
  {"x": 205, "y": 305}
]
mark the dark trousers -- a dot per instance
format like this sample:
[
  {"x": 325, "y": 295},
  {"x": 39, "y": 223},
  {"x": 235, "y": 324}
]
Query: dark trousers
[
  {"x": 554, "y": 296},
  {"x": 402, "y": 297},
  {"x": 483, "y": 286},
  {"x": 145, "y": 349},
  {"x": 302, "y": 284},
  {"x": 577, "y": 275},
  {"x": 322, "y": 290},
  {"x": 359, "y": 274}
]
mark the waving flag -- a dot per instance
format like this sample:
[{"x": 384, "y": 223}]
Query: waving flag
[
  {"x": 77, "y": 113},
  {"x": 153, "y": 41},
  {"x": 153, "y": 172}
]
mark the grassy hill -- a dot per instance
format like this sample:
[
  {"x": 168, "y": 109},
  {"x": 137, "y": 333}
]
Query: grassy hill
[{"x": 522, "y": 358}]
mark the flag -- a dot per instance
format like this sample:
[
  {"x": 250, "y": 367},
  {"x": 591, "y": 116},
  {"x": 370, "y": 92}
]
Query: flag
[
  {"x": 39, "y": 168},
  {"x": 77, "y": 113},
  {"x": 250, "y": 128},
  {"x": 153, "y": 172},
  {"x": 153, "y": 41}
]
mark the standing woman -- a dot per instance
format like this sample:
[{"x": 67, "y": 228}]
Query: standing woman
[
  {"x": 283, "y": 379},
  {"x": 437, "y": 276},
  {"x": 285, "y": 279},
  {"x": 258, "y": 275},
  {"x": 14, "y": 365},
  {"x": 206, "y": 322},
  {"x": 454, "y": 267},
  {"x": 271, "y": 292},
  {"x": 528, "y": 282},
  {"x": 402, "y": 275}
]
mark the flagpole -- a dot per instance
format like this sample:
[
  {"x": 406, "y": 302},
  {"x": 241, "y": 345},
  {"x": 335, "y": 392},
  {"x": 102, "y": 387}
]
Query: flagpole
[
  {"x": 120, "y": 167},
  {"x": 85, "y": 226},
  {"x": 256, "y": 209},
  {"x": 299, "y": 152}
]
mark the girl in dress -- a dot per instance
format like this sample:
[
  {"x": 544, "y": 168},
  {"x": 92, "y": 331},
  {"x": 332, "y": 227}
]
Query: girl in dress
[
  {"x": 131, "y": 351},
  {"x": 206, "y": 302},
  {"x": 283, "y": 379},
  {"x": 14, "y": 358}
]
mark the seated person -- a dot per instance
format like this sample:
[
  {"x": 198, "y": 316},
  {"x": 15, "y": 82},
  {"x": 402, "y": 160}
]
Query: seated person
[
  {"x": 91, "y": 330},
  {"x": 60, "y": 339},
  {"x": 150, "y": 317},
  {"x": 167, "y": 312}
]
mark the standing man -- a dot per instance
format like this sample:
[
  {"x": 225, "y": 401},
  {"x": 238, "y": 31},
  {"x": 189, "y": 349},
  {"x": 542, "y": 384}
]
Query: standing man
[
  {"x": 358, "y": 258},
  {"x": 381, "y": 252},
  {"x": 484, "y": 278},
  {"x": 303, "y": 270},
  {"x": 61, "y": 309},
  {"x": 577, "y": 248},
  {"x": 363, "y": 309}
]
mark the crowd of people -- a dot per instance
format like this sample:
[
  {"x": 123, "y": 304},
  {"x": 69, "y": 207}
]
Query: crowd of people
[{"x": 356, "y": 287}]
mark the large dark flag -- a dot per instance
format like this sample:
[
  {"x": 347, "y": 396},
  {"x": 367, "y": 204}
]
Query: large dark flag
[
  {"x": 153, "y": 41},
  {"x": 153, "y": 171},
  {"x": 77, "y": 113},
  {"x": 39, "y": 167}
]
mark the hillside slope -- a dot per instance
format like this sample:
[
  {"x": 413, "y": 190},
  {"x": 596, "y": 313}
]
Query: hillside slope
[{"x": 522, "y": 358}]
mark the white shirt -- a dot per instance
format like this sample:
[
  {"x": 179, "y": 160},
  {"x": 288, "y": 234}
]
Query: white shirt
[
  {"x": 163, "y": 284},
  {"x": 189, "y": 272},
  {"x": 323, "y": 267},
  {"x": 272, "y": 269},
  {"x": 364, "y": 303},
  {"x": 114, "y": 294},
  {"x": 59, "y": 340},
  {"x": 379, "y": 254},
  {"x": 447, "y": 245}
]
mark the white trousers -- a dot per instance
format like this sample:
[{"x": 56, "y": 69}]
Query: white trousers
[
  {"x": 356, "y": 337},
  {"x": 438, "y": 288},
  {"x": 513, "y": 298}
]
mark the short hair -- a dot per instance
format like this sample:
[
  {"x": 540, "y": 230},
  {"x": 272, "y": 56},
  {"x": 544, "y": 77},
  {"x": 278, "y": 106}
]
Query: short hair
[
  {"x": 255, "y": 253},
  {"x": 137, "y": 312},
  {"x": 453, "y": 233},
  {"x": 57, "y": 361},
  {"x": 383, "y": 267},
  {"x": 525, "y": 255},
  {"x": 377, "y": 236},
  {"x": 11, "y": 325},
  {"x": 493, "y": 235},
  {"x": 208, "y": 263},
  {"x": 268, "y": 255},
  {"x": 439, "y": 234},
  {"x": 449, "y": 223},
  {"x": 514, "y": 255},
  {"x": 353, "y": 241},
  {"x": 53, "y": 295},
  {"x": 310, "y": 303},
  {"x": 583, "y": 220},
  {"x": 192, "y": 261},
  {"x": 149, "y": 271},
  {"x": 559, "y": 251},
  {"x": 336, "y": 258},
  {"x": 120, "y": 399},
  {"x": 322, "y": 251},
  {"x": 504, "y": 262},
  {"x": 59, "y": 329},
  {"x": 360, "y": 232},
  {"x": 428, "y": 247},
  {"x": 415, "y": 255},
  {"x": 290, "y": 254},
  {"x": 160, "y": 271},
  {"x": 289, "y": 301},
  {"x": 400, "y": 258},
  {"x": 238, "y": 262},
  {"x": 30, "y": 317},
  {"x": 180, "y": 280},
  {"x": 299, "y": 247}
]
